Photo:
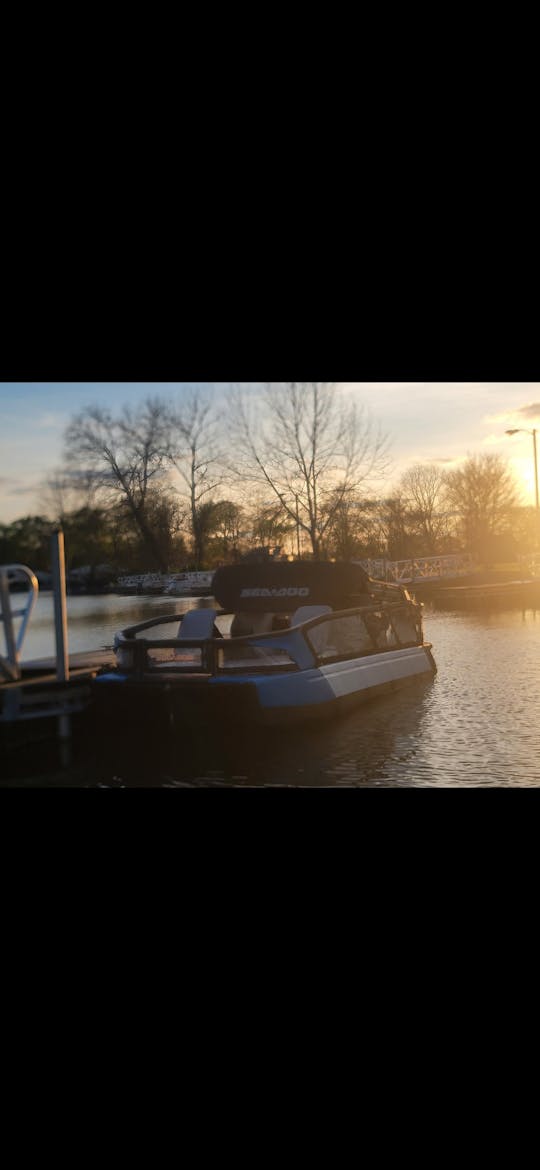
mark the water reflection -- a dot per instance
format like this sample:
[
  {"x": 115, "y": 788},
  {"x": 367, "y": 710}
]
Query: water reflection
[{"x": 373, "y": 745}]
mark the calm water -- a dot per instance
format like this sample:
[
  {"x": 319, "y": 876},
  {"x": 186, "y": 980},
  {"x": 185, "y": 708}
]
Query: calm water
[{"x": 475, "y": 724}]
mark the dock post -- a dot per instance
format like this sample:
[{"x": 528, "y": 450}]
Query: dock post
[
  {"x": 5, "y": 613},
  {"x": 58, "y": 569}
]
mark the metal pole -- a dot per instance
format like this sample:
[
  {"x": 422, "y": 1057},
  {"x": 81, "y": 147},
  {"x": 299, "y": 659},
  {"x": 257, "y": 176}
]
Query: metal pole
[
  {"x": 58, "y": 569},
  {"x": 297, "y": 529},
  {"x": 526, "y": 431},
  {"x": 536, "y": 488},
  {"x": 535, "y": 471}
]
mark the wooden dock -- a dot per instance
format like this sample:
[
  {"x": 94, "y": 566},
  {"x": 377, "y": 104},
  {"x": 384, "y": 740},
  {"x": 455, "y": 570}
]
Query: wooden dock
[
  {"x": 92, "y": 660},
  {"x": 39, "y": 694}
]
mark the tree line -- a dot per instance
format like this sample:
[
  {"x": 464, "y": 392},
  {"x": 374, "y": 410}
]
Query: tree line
[{"x": 191, "y": 483}]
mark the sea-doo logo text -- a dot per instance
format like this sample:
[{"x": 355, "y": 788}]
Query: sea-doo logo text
[{"x": 292, "y": 591}]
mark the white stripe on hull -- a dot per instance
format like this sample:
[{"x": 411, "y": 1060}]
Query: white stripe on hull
[
  {"x": 320, "y": 685},
  {"x": 346, "y": 677}
]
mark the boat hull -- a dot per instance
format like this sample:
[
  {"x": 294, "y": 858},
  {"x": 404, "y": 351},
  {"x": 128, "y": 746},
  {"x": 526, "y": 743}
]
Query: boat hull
[{"x": 271, "y": 700}]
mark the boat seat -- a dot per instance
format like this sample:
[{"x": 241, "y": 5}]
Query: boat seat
[
  {"x": 251, "y": 623},
  {"x": 305, "y": 612},
  {"x": 197, "y": 623}
]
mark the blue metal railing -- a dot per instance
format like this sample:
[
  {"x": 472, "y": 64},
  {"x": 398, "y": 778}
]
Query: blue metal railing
[{"x": 9, "y": 575}]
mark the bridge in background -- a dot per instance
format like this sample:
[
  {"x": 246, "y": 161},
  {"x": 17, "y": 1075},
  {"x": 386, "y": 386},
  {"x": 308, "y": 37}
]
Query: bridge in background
[
  {"x": 420, "y": 568},
  {"x": 415, "y": 570}
]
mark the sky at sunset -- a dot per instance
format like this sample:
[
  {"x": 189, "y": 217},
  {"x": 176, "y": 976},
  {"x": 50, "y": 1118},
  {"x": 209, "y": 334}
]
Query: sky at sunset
[{"x": 425, "y": 422}]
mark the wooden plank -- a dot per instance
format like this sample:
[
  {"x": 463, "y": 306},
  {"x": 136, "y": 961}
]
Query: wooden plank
[
  {"x": 50, "y": 680},
  {"x": 92, "y": 658}
]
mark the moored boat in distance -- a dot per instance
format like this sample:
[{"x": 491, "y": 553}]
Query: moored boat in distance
[
  {"x": 188, "y": 584},
  {"x": 520, "y": 593},
  {"x": 290, "y": 642}
]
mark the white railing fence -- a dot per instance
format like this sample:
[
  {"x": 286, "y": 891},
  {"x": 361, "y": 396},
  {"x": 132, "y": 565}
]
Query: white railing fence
[{"x": 419, "y": 568}]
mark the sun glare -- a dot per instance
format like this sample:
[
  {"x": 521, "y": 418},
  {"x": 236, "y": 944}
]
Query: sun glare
[{"x": 524, "y": 472}]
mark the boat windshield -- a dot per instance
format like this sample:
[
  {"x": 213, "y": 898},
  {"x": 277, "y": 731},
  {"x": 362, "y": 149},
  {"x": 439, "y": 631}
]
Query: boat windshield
[{"x": 362, "y": 633}]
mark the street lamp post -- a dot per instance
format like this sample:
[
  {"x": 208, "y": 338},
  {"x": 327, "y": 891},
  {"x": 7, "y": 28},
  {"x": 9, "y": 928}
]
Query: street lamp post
[{"x": 526, "y": 431}]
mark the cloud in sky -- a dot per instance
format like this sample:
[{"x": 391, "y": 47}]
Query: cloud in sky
[
  {"x": 532, "y": 411},
  {"x": 52, "y": 419}
]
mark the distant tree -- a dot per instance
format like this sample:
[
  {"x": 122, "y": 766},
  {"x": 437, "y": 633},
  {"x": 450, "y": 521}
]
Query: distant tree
[
  {"x": 395, "y": 523},
  {"x": 88, "y": 538},
  {"x": 483, "y": 493},
  {"x": 206, "y": 520},
  {"x": 26, "y": 541},
  {"x": 308, "y": 446},
  {"x": 227, "y": 525},
  {"x": 268, "y": 524},
  {"x": 124, "y": 454},
  {"x": 167, "y": 518},
  {"x": 193, "y": 450},
  {"x": 423, "y": 489},
  {"x": 350, "y": 532},
  {"x": 524, "y": 527}
]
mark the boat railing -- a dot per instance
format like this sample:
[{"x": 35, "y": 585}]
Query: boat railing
[
  {"x": 357, "y": 631},
  {"x": 285, "y": 649},
  {"x": 10, "y": 667}
]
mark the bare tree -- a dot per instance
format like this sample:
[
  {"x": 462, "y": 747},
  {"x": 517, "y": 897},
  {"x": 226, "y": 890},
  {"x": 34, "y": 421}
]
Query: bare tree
[
  {"x": 483, "y": 493},
  {"x": 394, "y": 521},
  {"x": 124, "y": 454},
  {"x": 308, "y": 446},
  {"x": 423, "y": 486},
  {"x": 192, "y": 449}
]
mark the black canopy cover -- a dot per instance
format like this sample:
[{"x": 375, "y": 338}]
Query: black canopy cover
[{"x": 283, "y": 586}]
